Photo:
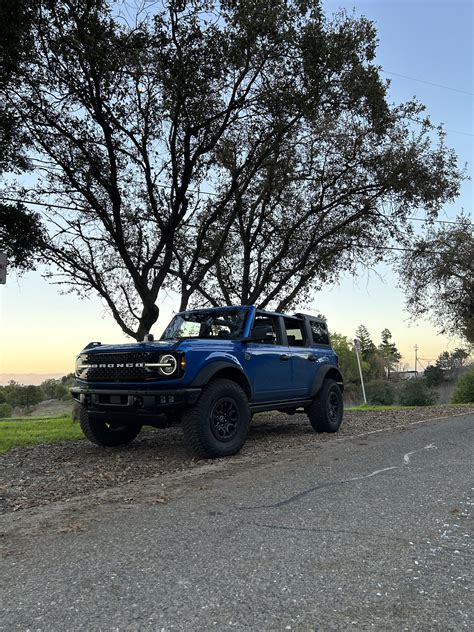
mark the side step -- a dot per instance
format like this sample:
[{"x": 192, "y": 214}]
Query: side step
[{"x": 287, "y": 403}]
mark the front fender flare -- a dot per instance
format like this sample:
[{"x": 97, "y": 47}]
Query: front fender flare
[{"x": 213, "y": 368}]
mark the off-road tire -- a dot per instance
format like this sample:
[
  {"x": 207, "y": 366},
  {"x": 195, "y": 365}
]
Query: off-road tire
[
  {"x": 217, "y": 425},
  {"x": 327, "y": 409},
  {"x": 174, "y": 418},
  {"x": 107, "y": 434}
]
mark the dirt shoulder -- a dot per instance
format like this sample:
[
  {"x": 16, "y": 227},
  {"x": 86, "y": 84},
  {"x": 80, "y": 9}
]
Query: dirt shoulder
[{"x": 45, "y": 474}]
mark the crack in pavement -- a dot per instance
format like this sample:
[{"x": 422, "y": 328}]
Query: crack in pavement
[{"x": 306, "y": 492}]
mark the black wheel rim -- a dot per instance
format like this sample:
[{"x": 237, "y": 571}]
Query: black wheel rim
[
  {"x": 225, "y": 419},
  {"x": 114, "y": 427},
  {"x": 333, "y": 406}
]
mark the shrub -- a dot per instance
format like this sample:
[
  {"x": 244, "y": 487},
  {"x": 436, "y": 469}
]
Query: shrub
[
  {"x": 464, "y": 391},
  {"x": 434, "y": 375},
  {"x": 416, "y": 392},
  {"x": 380, "y": 392},
  {"x": 5, "y": 410},
  {"x": 352, "y": 394}
]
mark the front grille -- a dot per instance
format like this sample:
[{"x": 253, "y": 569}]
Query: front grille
[{"x": 102, "y": 372}]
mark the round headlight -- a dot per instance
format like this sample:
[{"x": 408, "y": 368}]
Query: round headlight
[
  {"x": 81, "y": 365},
  {"x": 168, "y": 364}
]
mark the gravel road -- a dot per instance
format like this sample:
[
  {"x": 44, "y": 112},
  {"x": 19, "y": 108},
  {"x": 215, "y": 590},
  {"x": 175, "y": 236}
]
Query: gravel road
[{"x": 39, "y": 475}]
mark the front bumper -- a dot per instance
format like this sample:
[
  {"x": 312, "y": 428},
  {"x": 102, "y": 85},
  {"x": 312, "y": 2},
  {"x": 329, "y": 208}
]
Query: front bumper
[{"x": 137, "y": 401}]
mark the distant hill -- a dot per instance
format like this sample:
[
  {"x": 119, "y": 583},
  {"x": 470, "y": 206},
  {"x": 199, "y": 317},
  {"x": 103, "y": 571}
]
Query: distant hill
[{"x": 29, "y": 378}]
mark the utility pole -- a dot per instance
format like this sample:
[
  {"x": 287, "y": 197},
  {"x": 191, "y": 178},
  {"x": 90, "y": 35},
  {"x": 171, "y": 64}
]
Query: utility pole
[
  {"x": 416, "y": 360},
  {"x": 358, "y": 349}
]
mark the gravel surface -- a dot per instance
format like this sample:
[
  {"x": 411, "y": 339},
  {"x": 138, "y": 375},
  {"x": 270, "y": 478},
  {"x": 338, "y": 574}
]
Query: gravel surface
[{"x": 39, "y": 475}]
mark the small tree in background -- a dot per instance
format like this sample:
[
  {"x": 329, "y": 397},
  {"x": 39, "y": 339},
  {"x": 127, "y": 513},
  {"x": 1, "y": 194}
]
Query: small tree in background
[
  {"x": 416, "y": 392},
  {"x": 373, "y": 365},
  {"x": 451, "y": 362},
  {"x": 347, "y": 358},
  {"x": 5, "y": 410},
  {"x": 366, "y": 344},
  {"x": 464, "y": 392},
  {"x": 434, "y": 375},
  {"x": 389, "y": 352},
  {"x": 380, "y": 392},
  {"x": 437, "y": 275}
]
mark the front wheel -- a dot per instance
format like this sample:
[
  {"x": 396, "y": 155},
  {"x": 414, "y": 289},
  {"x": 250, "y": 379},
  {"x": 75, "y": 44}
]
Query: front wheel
[
  {"x": 107, "y": 433},
  {"x": 327, "y": 408},
  {"x": 217, "y": 425}
]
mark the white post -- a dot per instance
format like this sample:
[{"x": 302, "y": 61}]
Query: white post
[{"x": 358, "y": 349}]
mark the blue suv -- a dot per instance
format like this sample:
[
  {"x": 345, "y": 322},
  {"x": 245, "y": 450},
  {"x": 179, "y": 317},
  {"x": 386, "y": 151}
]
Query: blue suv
[{"x": 210, "y": 371}]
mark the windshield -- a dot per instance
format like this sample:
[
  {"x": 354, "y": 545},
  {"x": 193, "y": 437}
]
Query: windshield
[{"x": 226, "y": 324}]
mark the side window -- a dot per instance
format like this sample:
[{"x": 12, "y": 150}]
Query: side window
[
  {"x": 264, "y": 320},
  {"x": 320, "y": 332},
  {"x": 295, "y": 332}
]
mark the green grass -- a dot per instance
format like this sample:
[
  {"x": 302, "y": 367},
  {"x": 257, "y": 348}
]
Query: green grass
[
  {"x": 378, "y": 407},
  {"x": 24, "y": 432}
]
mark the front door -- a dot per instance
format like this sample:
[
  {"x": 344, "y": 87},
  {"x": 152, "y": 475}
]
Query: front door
[{"x": 268, "y": 363}]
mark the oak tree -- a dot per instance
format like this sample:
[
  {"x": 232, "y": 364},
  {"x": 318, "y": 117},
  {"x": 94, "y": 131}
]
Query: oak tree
[
  {"x": 437, "y": 274},
  {"x": 233, "y": 151}
]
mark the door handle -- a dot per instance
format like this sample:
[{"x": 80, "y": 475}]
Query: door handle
[
  {"x": 312, "y": 357},
  {"x": 284, "y": 357}
]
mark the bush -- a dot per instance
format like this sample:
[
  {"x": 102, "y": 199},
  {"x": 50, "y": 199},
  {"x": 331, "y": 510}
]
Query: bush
[
  {"x": 380, "y": 392},
  {"x": 416, "y": 392},
  {"x": 5, "y": 410},
  {"x": 464, "y": 391},
  {"x": 433, "y": 375}
]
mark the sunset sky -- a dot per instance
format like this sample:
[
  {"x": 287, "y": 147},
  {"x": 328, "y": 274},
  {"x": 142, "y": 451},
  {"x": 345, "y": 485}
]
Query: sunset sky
[{"x": 427, "y": 41}]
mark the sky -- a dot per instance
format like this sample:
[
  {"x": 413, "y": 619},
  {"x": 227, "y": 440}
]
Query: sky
[{"x": 421, "y": 43}]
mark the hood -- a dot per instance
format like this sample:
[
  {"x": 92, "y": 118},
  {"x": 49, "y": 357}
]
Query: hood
[{"x": 133, "y": 347}]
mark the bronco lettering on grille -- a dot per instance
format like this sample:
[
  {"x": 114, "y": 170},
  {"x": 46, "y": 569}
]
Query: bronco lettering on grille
[{"x": 129, "y": 365}]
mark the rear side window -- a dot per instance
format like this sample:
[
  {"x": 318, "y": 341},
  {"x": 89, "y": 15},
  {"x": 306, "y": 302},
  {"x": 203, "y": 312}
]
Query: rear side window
[
  {"x": 294, "y": 332},
  {"x": 320, "y": 332}
]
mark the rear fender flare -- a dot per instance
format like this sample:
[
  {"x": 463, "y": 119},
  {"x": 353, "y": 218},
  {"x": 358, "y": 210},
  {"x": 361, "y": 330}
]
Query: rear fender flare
[{"x": 327, "y": 372}]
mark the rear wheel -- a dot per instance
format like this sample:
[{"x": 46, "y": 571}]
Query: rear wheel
[
  {"x": 107, "y": 433},
  {"x": 217, "y": 425},
  {"x": 326, "y": 410}
]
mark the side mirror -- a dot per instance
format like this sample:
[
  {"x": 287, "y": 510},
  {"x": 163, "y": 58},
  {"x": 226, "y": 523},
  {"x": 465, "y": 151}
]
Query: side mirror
[{"x": 261, "y": 333}]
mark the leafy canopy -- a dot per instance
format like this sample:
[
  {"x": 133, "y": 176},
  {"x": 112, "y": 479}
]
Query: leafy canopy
[
  {"x": 276, "y": 111},
  {"x": 438, "y": 278}
]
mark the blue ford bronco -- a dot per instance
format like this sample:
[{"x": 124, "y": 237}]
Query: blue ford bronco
[{"x": 210, "y": 371}]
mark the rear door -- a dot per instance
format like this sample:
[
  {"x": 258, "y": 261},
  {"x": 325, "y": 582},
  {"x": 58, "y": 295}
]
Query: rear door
[
  {"x": 303, "y": 358},
  {"x": 268, "y": 364}
]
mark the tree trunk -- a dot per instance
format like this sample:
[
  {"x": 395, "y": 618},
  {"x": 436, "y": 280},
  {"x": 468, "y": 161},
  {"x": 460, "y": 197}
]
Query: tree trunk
[{"x": 148, "y": 318}]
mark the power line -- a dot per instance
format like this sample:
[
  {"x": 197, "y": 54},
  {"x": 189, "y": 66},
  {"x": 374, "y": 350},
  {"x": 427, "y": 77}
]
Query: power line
[
  {"x": 81, "y": 208},
  {"x": 444, "y": 129},
  {"x": 437, "y": 221},
  {"x": 355, "y": 244},
  {"x": 429, "y": 83},
  {"x": 68, "y": 208},
  {"x": 455, "y": 131}
]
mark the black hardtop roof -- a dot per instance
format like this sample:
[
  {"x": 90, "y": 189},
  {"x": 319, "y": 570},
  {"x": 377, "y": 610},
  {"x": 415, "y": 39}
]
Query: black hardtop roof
[
  {"x": 310, "y": 317},
  {"x": 260, "y": 311}
]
